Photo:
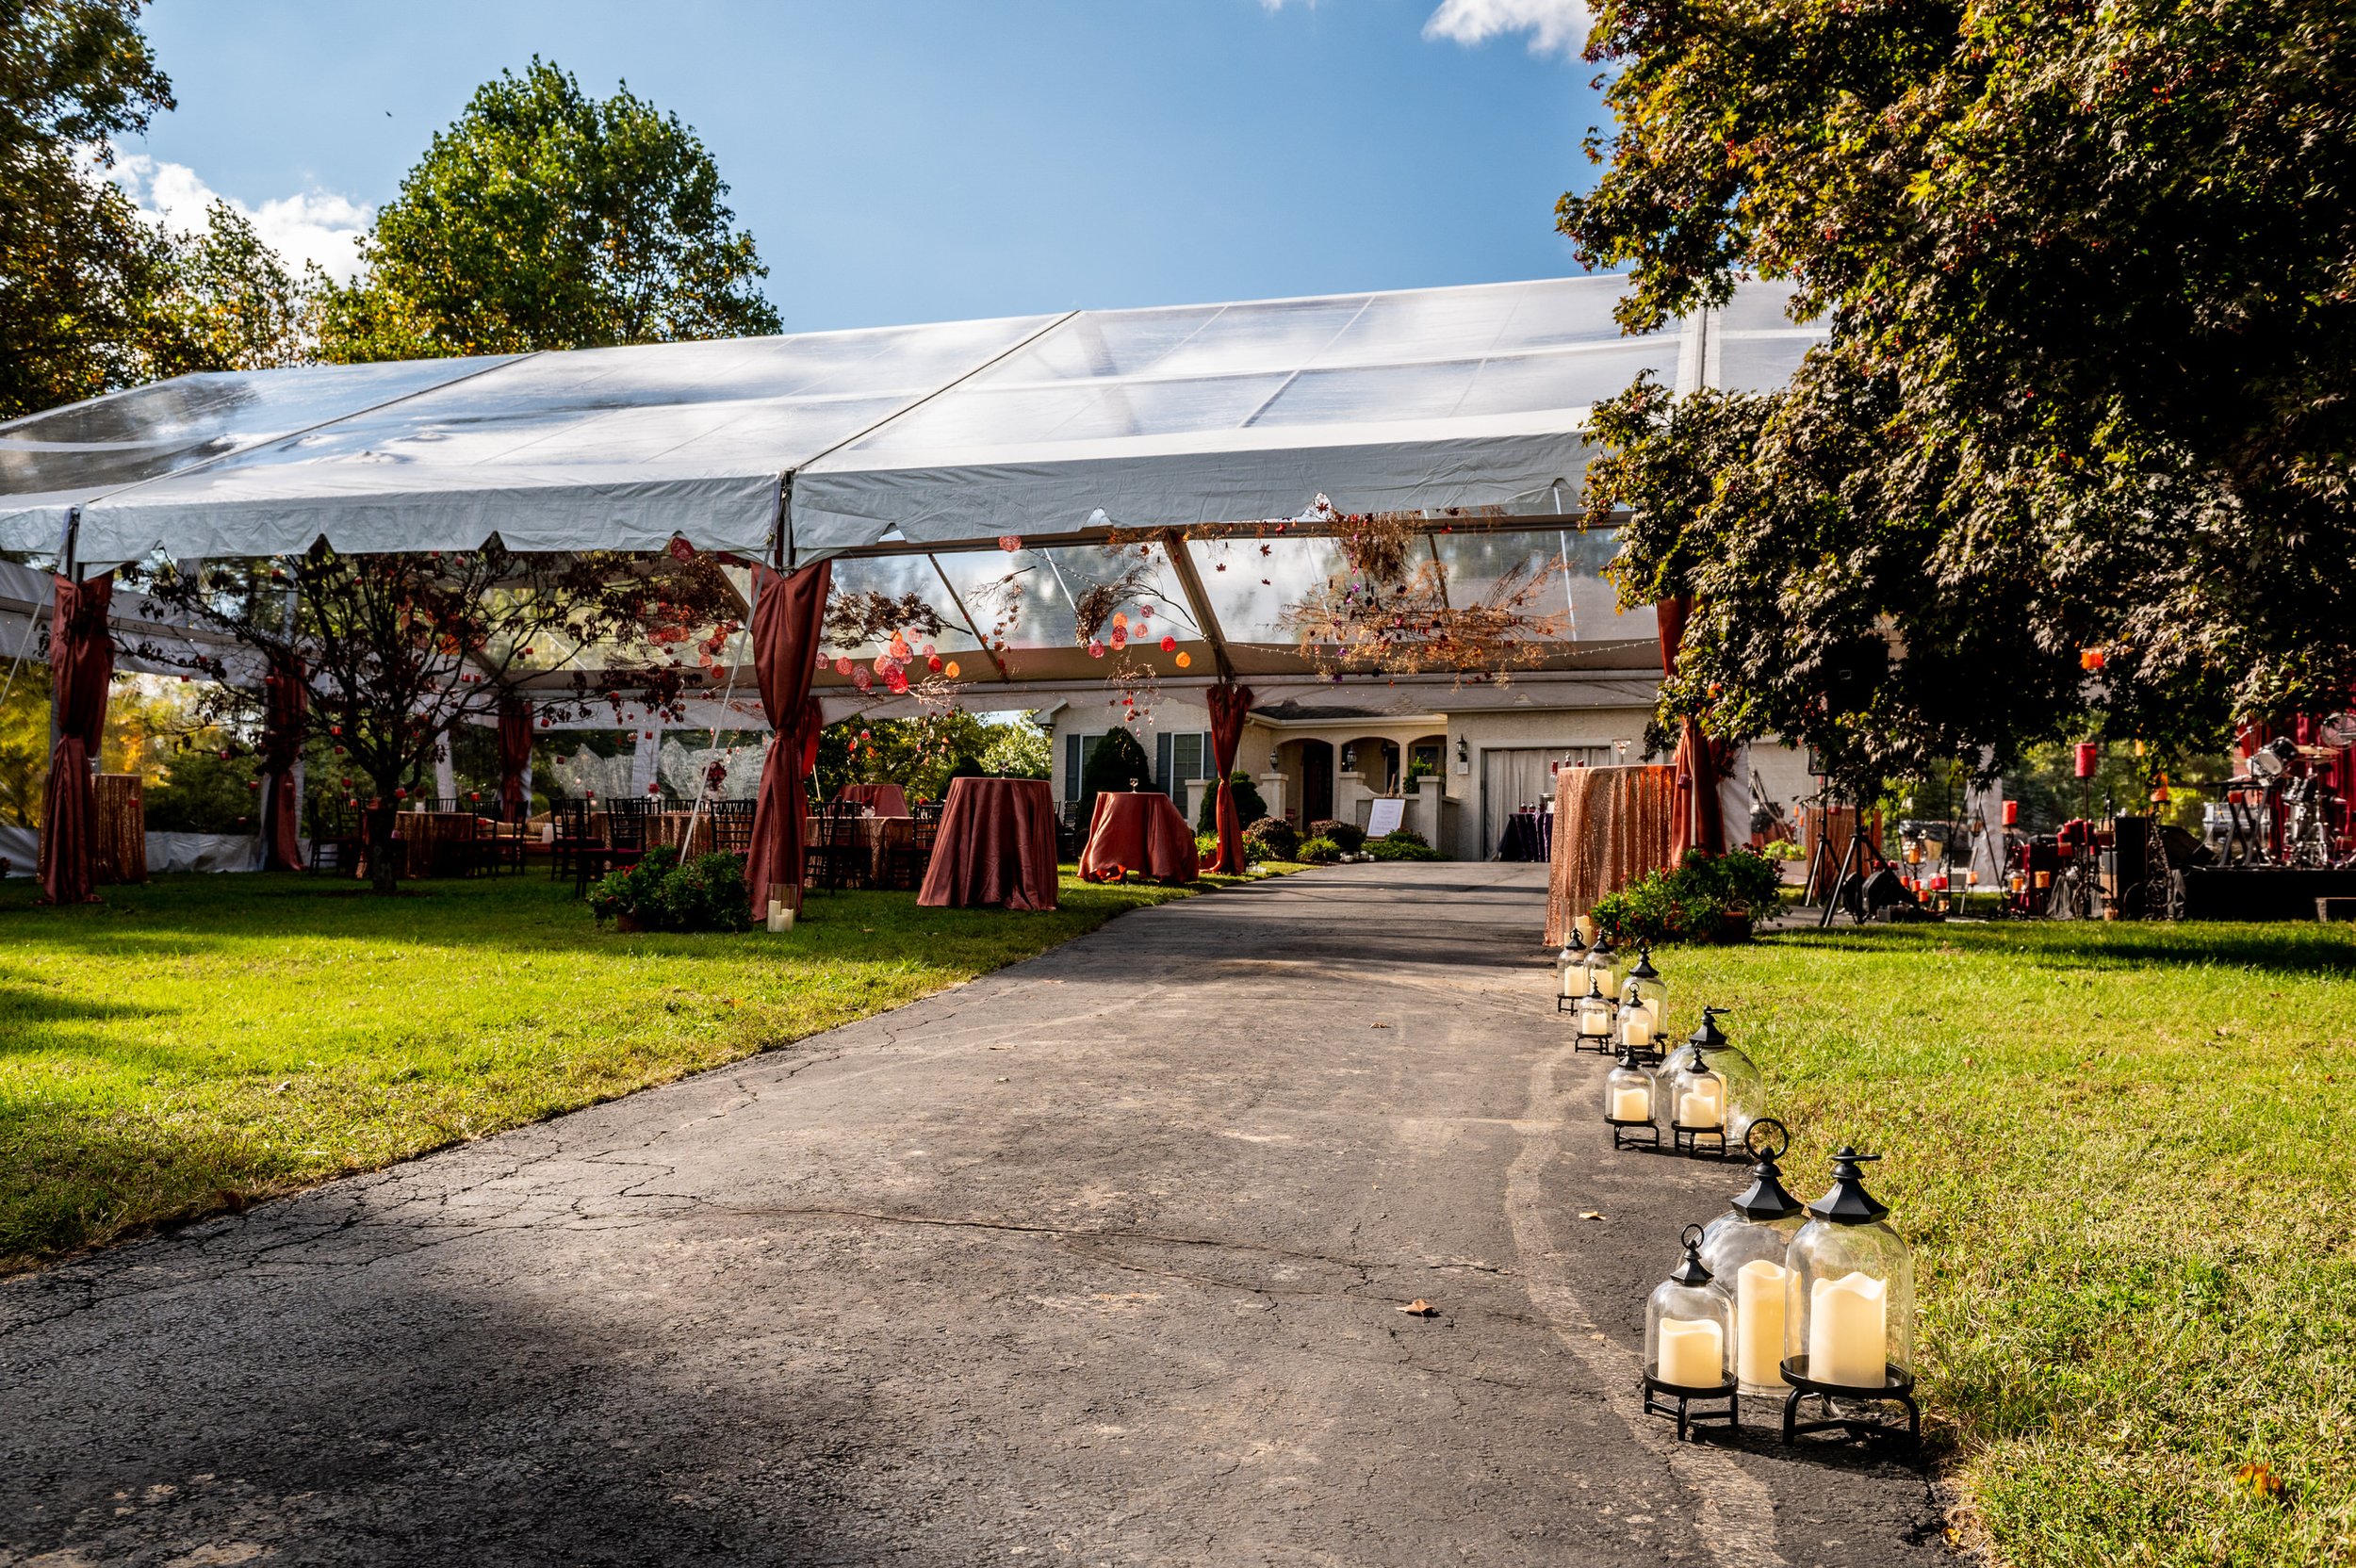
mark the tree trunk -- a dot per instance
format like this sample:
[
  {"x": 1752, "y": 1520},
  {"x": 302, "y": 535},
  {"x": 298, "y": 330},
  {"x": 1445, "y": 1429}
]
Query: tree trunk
[{"x": 383, "y": 869}]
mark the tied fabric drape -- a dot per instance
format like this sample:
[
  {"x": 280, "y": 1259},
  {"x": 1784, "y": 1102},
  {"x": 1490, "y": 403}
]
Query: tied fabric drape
[
  {"x": 788, "y": 618},
  {"x": 1228, "y": 704},
  {"x": 514, "y": 756},
  {"x": 286, "y": 703},
  {"x": 81, "y": 662},
  {"x": 1700, "y": 760}
]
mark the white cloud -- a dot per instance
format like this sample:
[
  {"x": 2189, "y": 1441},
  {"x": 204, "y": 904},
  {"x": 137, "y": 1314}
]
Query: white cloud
[
  {"x": 313, "y": 225},
  {"x": 1555, "y": 26}
]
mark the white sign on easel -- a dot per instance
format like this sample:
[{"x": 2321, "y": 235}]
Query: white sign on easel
[{"x": 1386, "y": 814}]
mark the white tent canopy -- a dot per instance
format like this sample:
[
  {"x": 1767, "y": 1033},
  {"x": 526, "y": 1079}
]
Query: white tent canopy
[{"x": 812, "y": 444}]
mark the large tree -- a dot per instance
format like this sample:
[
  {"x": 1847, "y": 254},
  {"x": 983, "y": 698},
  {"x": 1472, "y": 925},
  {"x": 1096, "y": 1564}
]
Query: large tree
[
  {"x": 93, "y": 296},
  {"x": 545, "y": 218},
  {"x": 399, "y": 651},
  {"x": 2081, "y": 447}
]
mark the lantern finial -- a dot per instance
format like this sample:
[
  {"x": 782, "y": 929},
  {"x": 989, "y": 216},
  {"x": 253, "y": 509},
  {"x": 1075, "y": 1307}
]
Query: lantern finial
[{"x": 1848, "y": 1203}]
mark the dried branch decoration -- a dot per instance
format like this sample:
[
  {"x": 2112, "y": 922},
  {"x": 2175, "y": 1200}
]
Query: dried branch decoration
[
  {"x": 1355, "y": 626},
  {"x": 1096, "y": 604},
  {"x": 856, "y": 619}
]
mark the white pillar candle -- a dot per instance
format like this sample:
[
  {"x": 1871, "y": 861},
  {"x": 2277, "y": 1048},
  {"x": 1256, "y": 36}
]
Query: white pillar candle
[
  {"x": 1700, "y": 1106},
  {"x": 1847, "y": 1331},
  {"x": 1693, "y": 1353},
  {"x": 780, "y": 915},
  {"x": 1758, "y": 1288},
  {"x": 1636, "y": 1024},
  {"x": 1631, "y": 1103}
]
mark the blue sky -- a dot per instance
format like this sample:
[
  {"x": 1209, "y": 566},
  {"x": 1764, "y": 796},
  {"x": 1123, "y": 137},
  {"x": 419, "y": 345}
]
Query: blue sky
[{"x": 907, "y": 161}]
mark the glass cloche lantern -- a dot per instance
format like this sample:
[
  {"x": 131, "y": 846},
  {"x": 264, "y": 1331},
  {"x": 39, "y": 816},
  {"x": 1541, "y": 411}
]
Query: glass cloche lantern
[
  {"x": 1592, "y": 1019},
  {"x": 1747, "y": 1091},
  {"x": 1628, "y": 1105},
  {"x": 1697, "y": 1105},
  {"x": 1570, "y": 972},
  {"x": 1848, "y": 1330},
  {"x": 1745, "y": 1250},
  {"x": 1650, "y": 988},
  {"x": 1604, "y": 964},
  {"x": 1689, "y": 1330},
  {"x": 1640, "y": 1021}
]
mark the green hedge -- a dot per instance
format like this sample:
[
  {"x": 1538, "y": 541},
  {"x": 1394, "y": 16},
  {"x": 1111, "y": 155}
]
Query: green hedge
[{"x": 707, "y": 893}]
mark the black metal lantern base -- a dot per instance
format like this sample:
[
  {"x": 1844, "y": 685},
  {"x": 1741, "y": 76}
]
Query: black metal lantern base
[
  {"x": 1676, "y": 1402},
  {"x": 1634, "y": 1134},
  {"x": 1897, "y": 1389},
  {"x": 1600, "y": 1044},
  {"x": 1688, "y": 1140}
]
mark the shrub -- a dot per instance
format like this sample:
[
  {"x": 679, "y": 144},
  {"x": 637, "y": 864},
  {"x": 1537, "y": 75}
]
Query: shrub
[
  {"x": 1347, "y": 835},
  {"x": 1249, "y": 805},
  {"x": 1405, "y": 844},
  {"x": 1318, "y": 851},
  {"x": 1206, "y": 847},
  {"x": 1272, "y": 839},
  {"x": 707, "y": 893},
  {"x": 1117, "y": 760},
  {"x": 1692, "y": 903},
  {"x": 1784, "y": 849}
]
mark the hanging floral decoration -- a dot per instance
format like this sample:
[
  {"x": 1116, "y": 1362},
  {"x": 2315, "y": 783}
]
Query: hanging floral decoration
[{"x": 1356, "y": 625}]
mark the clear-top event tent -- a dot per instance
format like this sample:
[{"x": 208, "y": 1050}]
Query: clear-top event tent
[{"x": 907, "y": 454}]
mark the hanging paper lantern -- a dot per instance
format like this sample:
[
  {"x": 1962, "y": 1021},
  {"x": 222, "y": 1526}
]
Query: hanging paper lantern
[
  {"x": 863, "y": 679},
  {"x": 1120, "y": 620},
  {"x": 1010, "y": 541},
  {"x": 1184, "y": 660},
  {"x": 842, "y": 665},
  {"x": 932, "y": 662},
  {"x": 950, "y": 669},
  {"x": 926, "y": 651},
  {"x": 899, "y": 646},
  {"x": 401, "y": 794},
  {"x": 1121, "y": 638},
  {"x": 895, "y": 681},
  {"x": 1169, "y": 644},
  {"x": 821, "y": 657},
  {"x": 1096, "y": 650}
]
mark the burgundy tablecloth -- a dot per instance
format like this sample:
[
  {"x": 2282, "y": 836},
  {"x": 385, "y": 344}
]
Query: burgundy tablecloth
[
  {"x": 885, "y": 800},
  {"x": 997, "y": 845},
  {"x": 1141, "y": 832}
]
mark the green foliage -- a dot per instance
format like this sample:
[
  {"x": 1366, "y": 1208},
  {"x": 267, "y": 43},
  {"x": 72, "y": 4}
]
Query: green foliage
[
  {"x": 2086, "y": 275},
  {"x": 93, "y": 297},
  {"x": 662, "y": 893},
  {"x": 1345, "y": 836},
  {"x": 1249, "y": 805},
  {"x": 545, "y": 218},
  {"x": 1019, "y": 747},
  {"x": 1320, "y": 851},
  {"x": 1706, "y": 899},
  {"x": 1117, "y": 760},
  {"x": 23, "y": 742},
  {"x": 205, "y": 793},
  {"x": 1270, "y": 839},
  {"x": 919, "y": 755},
  {"x": 1205, "y": 846},
  {"x": 1405, "y": 844}
]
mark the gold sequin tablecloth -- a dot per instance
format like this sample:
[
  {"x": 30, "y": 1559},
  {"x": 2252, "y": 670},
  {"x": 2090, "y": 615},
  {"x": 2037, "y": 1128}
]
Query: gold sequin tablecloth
[{"x": 1611, "y": 827}]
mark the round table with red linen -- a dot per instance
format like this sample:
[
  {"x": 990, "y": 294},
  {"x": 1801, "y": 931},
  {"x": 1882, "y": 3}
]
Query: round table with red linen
[
  {"x": 1139, "y": 832},
  {"x": 885, "y": 800},
  {"x": 996, "y": 846}
]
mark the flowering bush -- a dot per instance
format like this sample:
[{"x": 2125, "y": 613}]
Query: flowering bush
[
  {"x": 1708, "y": 898},
  {"x": 659, "y": 893}
]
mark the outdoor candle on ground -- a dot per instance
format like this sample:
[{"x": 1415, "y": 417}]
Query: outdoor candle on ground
[
  {"x": 1702, "y": 1106},
  {"x": 780, "y": 915},
  {"x": 1846, "y": 1332},
  {"x": 1758, "y": 1288},
  {"x": 1693, "y": 1354},
  {"x": 1631, "y": 1103},
  {"x": 1636, "y": 1023}
]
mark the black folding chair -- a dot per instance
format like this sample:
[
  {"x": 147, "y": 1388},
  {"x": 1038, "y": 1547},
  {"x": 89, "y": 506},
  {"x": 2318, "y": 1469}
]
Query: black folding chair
[{"x": 838, "y": 858}]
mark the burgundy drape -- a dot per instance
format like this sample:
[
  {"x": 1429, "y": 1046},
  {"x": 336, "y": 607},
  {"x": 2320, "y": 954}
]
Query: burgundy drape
[
  {"x": 788, "y": 618},
  {"x": 286, "y": 703},
  {"x": 1700, "y": 760},
  {"x": 81, "y": 662},
  {"x": 514, "y": 756},
  {"x": 1228, "y": 704}
]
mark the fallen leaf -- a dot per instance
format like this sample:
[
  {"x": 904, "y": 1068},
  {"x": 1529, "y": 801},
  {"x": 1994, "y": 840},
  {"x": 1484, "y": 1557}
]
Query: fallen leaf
[
  {"x": 2259, "y": 1481},
  {"x": 1421, "y": 1308},
  {"x": 1591, "y": 1214},
  {"x": 1378, "y": 1026}
]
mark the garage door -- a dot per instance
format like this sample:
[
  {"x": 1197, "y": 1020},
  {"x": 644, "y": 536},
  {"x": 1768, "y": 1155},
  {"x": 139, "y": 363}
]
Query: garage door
[{"x": 1519, "y": 777}]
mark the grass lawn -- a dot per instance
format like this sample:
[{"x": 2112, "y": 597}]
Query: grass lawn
[
  {"x": 2124, "y": 1155},
  {"x": 191, "y": 1045}
]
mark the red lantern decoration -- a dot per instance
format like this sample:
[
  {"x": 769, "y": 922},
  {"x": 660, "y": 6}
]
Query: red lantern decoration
[
  {"x": 2088, "y": 757},
  {"x": 1169, "y": 644}
]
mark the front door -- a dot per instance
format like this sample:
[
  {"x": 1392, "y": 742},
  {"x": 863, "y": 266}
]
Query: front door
[{"x": 1316, "y": 782}]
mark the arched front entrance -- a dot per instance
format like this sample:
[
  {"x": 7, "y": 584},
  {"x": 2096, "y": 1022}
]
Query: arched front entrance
[{"x": 1374, "y": 760}]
